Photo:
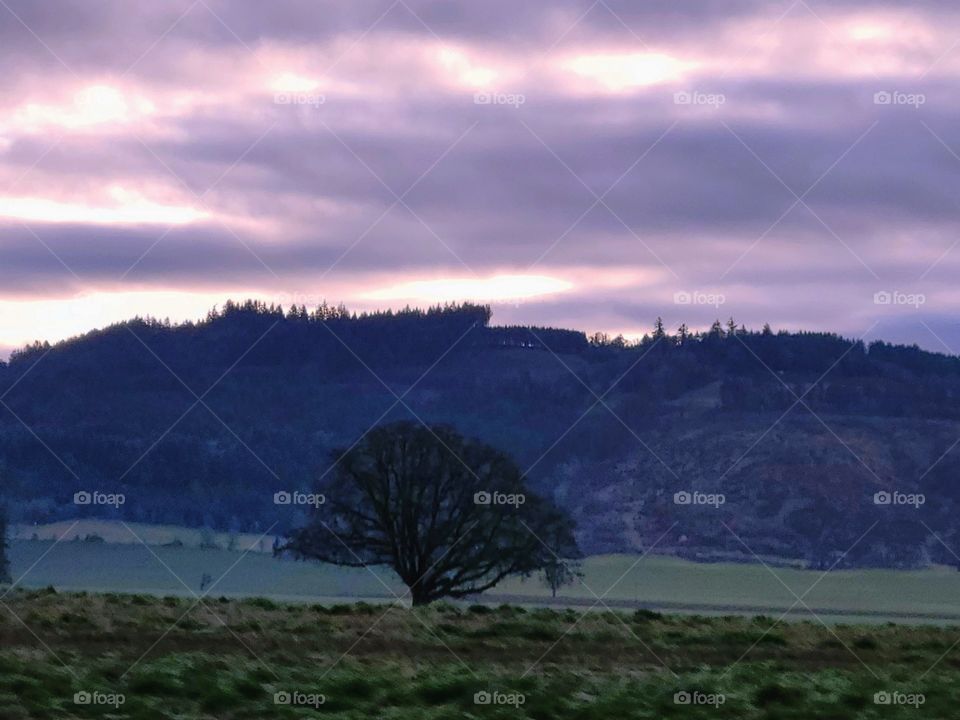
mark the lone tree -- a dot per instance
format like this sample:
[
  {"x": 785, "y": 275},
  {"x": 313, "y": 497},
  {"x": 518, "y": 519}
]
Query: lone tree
[
  {"x": 449, "y": 514},
  {"x": 559, "y": 572}
]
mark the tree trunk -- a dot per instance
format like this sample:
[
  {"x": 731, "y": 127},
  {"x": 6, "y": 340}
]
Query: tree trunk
[{"x": 420, "y": 597}]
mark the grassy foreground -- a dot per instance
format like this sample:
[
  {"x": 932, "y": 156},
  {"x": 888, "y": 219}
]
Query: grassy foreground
[{"x": 133, "y": 656}]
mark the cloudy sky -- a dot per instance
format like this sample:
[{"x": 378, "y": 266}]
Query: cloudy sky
[{"x": 575, "y": 163}]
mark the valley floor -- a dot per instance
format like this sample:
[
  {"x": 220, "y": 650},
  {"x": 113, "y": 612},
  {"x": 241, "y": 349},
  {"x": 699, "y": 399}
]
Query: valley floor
[{"x": 161, "y": 560}]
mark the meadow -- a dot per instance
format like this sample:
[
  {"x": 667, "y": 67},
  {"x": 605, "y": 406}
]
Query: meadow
[
  {"x": 78, "y": 655},
  {"x": 623, "y": 582}
]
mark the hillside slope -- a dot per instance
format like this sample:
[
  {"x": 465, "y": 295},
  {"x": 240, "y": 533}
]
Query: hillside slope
[{"x": 200, "y": 424}]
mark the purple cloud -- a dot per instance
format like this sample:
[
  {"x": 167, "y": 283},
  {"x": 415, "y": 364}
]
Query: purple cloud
[{"x": 795, "y": 159}]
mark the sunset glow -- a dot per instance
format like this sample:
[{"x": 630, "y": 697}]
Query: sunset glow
[
  {"x": 131, "y": 209},
  {"x": 566, "y": 163},
  {"x": 499, "y": 288},
  {"x": 617, "y": 73}
]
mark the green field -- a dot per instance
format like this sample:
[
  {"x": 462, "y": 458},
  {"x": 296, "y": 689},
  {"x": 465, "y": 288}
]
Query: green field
[
  {"x": 178, "y": 659},
  {"x": 127, "y": 626},
  {"x": 654, "y": 582},
  {"x": 160, "y": 570},
  {"x": 133, "y": 533}
]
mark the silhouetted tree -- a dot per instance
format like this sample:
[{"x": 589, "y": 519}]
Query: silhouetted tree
[
  {"x": 558, "y": 571},
  {"x": 658, "y": 331},
  {"x": 450, "y": 515}
]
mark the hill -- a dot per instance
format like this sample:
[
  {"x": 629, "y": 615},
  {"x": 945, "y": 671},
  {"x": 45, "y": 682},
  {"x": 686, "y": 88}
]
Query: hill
[{"x": 779, "y": 440}]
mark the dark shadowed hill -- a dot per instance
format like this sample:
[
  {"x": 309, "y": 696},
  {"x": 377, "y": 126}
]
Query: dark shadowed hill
[{"x": 779, "y": 441}]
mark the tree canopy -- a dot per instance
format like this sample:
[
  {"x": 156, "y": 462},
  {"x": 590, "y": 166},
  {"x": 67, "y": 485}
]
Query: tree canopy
[{"x": 450, "y": 515}]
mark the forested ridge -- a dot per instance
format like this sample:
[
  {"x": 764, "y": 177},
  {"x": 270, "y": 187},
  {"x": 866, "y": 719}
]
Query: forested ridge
[{"x": 200, "y": 423}]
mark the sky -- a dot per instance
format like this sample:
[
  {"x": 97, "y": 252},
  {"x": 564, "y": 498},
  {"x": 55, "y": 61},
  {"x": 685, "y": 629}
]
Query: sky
[{"x": 574, "y": 163}]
